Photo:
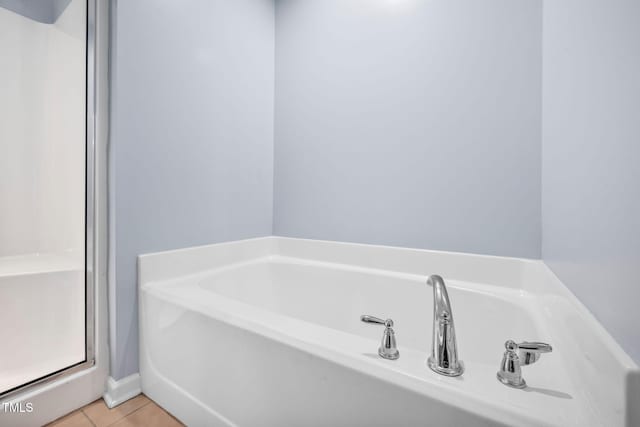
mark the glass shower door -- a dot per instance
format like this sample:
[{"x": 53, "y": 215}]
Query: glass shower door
[{"x": 43, "y": 197}]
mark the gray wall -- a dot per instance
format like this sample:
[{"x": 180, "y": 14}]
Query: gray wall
[
  {"x": 192, "y": 136},
  {"x": 45, "y": 11},
  {"x": 405, "y": 123},
  {"x": 591, "y": 155},
  {"x": 411, "y": 123}
]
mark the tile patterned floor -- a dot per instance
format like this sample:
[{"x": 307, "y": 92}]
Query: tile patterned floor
[{"x": 136, "y": 412}]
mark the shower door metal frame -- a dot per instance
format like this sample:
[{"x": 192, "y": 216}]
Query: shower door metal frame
[{"x": 90, "y": 225}]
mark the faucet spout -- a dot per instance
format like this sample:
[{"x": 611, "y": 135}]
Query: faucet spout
[{"x": 444, "y": 353}]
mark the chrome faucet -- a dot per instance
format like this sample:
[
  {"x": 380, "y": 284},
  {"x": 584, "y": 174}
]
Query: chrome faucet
[{"x": 444, "y": 353}]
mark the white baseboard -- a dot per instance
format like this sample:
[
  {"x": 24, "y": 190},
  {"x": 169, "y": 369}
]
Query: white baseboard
[{"x": 122, "y": 390}]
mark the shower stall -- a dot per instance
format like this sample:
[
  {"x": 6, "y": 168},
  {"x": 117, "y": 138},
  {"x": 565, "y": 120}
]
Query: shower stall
[{"x": 47, "y": 194}]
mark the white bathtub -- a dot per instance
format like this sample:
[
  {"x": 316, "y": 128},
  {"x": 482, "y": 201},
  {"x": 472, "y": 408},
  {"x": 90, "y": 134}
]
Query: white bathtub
[
  {"x": 42, "y": 316},
  {"x": 266, "y": 332}
]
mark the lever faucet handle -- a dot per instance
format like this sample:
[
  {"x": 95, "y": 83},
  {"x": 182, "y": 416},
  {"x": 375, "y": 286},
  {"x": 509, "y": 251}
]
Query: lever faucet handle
[
  {"x": 516, "y": 356},
  {"x": 388, "y": 348},
  {"x": 529, "y": 352},
  {"x": 535, "y": 347},
  {"x": 366, "y": 318}
]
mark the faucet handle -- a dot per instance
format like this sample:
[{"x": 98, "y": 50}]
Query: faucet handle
[
  {"x": 366, "y": 318},
  {"x": 517, "y": 355},
  {"x": 535, "y": 347},
  {"x": 529, "y": 352},
  {"x": 388, "y": 348}
]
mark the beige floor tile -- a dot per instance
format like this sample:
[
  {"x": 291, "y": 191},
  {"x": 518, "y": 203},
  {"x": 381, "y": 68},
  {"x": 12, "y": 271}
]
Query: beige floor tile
[
  {"x": 74, "y": 419},
  {"x": 150, "y": 415},
  {"x": 102, "y": 416}
]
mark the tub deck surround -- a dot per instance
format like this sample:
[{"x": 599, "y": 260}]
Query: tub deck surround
[{"x": 267, "y": 332}]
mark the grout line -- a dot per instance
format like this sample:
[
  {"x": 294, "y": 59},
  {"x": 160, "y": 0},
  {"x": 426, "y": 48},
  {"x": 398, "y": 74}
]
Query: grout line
[
  {"x": 130, "y": 413},
  {"x": 87, "y": 416},
  {"x": 115, "y": 421}
]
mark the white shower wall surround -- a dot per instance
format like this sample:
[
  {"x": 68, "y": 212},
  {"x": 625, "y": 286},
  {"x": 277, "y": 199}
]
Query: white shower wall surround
[
  {"x": 46, "y": 317},
  {"x": 42, "y": 194},
  {"x": 42, "y": 148}
]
